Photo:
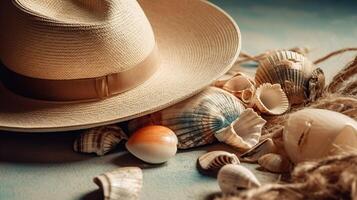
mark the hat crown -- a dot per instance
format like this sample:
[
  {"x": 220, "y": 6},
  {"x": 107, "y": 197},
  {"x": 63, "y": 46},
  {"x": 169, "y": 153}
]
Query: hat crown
[{"x": 73, "y": 39}]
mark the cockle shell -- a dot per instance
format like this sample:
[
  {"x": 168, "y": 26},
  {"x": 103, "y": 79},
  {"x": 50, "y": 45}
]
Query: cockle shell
[
  {"x": 316, "y": 133},
  {"x": 99, "y": 140},
  {"x": 243, "y": 133},
  {"x": 197, "y": 120},
  {"x": 241, "y": 86},
  {"x": 214, "y": 160},
  {"x": 293, "y": 72},
  {"x": 232, "y": 178},
  {"x": 275, "y": 163},
  {"x": 262, "y": 148},
  {"x": 153, "y": 144},
  {"x": 122, "y": 183},
  {"x": 271, "y": 99}
]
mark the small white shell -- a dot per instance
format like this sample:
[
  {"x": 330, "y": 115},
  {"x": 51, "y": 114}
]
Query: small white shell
[
  {"x": 241, "y": 86},
  {"x": 122, "y": 183},
  {"x": 99, "y": 140},
  {"x": 243, "y": 133},
  {"x": 271, "y": 99},
  {"x": 214, "y": 160},
  {"x": 264, "y": 147},
  {"x": 153, "y": 144},
  {"x": 232, "y": 178},
  {"x": 315, "y": 133},
  {"x": 275, "y": 163}
]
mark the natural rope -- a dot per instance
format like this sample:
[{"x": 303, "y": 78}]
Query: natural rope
[{"x": 333, "y": 54}]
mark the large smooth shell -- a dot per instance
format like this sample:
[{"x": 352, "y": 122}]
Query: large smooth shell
[
  {"x": 275, "y": 163},
  {"x": 289, "y": 69},
  {"x": 153, "y": 144},
  {"x": 271, "y": 99},
  {"x": 232, "y": 178},
  {"x": 214, "y": 160},
  {"x": 241, "y": 86},
  {"x": 122, "y": 183},
  {"x": 99, "y": 140},
  {"x": 244, "y": 132},
  {"x": 196, "y": 120},
  {"x": 315, "y": 133}
]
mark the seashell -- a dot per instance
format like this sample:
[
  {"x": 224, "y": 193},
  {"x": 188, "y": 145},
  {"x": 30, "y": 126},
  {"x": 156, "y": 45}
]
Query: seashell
[
  {"x": 241, "y": 86},
  {"x": 232, "y": 178},
  {"x": 316, "y": 133},
  {"x": 195, "y": 121},
  {"x": 214, "y": 160},
  {"x": 293, "y": 72},
  {"x": 122, "y": 183},
  {"x": 262, "y": 148},
  {"x": 275, "y": 163},
  {"x": 243, "y": 133},
  {"x": 271, "y": 99},
  {"x": 99, "y": 140},
  {"x": 153, "y": 144}
]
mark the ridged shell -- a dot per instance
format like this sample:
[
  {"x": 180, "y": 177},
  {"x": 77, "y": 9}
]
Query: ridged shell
[
  {"x": 244, "y": 132},
  {"x": 241, "y": 86},
  {"x": 316, "y": 133},
  {"x": 271, "y": 99},
  {"x": 289, "y": 69},
  {"x": 214, "y": 160},
  {"x": 262, "y": 148},
  {"x": 122, "y": 183},
  {"x": 232, "y": 178},
  {"x": 196, "y": 120},
  {"x": 99, "y": 140},
  {"x": 275, "y": 163}
]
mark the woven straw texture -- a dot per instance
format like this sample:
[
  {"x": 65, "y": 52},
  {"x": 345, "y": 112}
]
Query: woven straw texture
[{"x": 197, "y": 42}]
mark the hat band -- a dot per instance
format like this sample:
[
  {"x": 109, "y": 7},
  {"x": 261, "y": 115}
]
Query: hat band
[{"x": 87, "y": 89}]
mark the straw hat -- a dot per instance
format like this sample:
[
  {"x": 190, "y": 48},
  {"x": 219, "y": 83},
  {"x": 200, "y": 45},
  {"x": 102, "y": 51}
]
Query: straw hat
[{"x": 77, "y": 64}]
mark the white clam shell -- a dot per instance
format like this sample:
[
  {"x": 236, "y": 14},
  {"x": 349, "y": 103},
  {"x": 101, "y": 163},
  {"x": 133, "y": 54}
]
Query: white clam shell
[
  {"x": 197, "y": 119},
  {"x": 241, "y": 86},
  {"x": 214, "y": 160},
  {"x": 275, "y": 163},
  {"x": 232, "y": 178},
  {"x": 264, "y": 147},
  {"x": 244, "y": 132},
  {"x": 153, "y": 144},
  {"x": 99, "y": 140},
  {"x": 122, "y": 183},
  {"x": 271, "y": 99},
  {"x": 315, "y": 133},
  {"x": 289, "y": 69}
]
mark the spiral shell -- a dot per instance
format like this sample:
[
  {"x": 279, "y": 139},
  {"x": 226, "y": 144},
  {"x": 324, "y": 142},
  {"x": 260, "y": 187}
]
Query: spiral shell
[
  {"x": 241, "y": 86},
  {"x": 122, "y": 183},
  {"x": 196, "y": 121},
  {"x": 214, "y": 160},
  {"x": 293, "y": 72},
  {"x": 99, "y": 140}
]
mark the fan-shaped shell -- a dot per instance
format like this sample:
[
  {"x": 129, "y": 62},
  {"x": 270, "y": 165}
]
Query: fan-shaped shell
[
  {"x": 271, "y": 99},
  {"x": 99, "y": 140},
  {"x": 315, "y": 133},
  {"x": 262, "y": 148},
  {"x": 289, "y": 69},
  {"x": 241, "y": 86},
  {"x": 275, "y": 163},
  {"x": 244, "y": 132},
  {"x": 122, "y": 183},
  {"x": 196, "y": 120},
  {"x": 214, "y": 160},
  {"x": 232, "y": 178}
]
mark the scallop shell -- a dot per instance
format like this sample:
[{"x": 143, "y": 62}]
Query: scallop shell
[
  {"x": 271, "y": 99},
  {"x": 275, "y": 163},
  {"x": 122, "y": 183},
  {"x": 316, "y": 133},
  {"x": 232, "y": 178},
  {"x": 241, "y": 86},
  {"x": 214, "y": 160},
  {"x": 292, "y": 71},
  {"x": 262, "y": 148},
  {"x": 244, "y": 132},
  {"x": 195, "y": 121},
  {"x": 153, "y": 144},
  {"x": 99, "y": 140}
]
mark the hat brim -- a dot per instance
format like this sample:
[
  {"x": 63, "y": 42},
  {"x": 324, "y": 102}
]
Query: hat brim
[{"x": 197, "y": 41}]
